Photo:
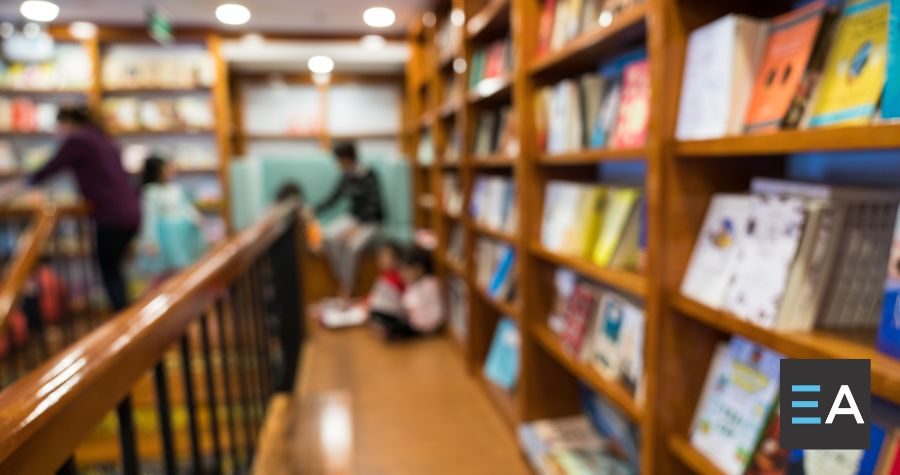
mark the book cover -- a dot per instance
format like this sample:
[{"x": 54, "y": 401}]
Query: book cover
[
  {"x": 541, "y": 439},
  {"x": 854, "y": 72},
  {"x": 502, "y": 364},
  {"x": 770, "y": 458},
  {"x": 581, "y": 306},
  {"x": 623, "y": 435},
  {"x": 620, "y": 205},
  {"x": 740, "y": 396},
  {"x": 890, "y": 102},
  {"x": 764, "y": 257},
  {"x": 615, "y": 345},
  {"x": 889, "y": 330},
  {"x": 792, "y": 37},
  {"x": 545, "y": 27},
  {"x": 501, "y": 279},
  {"x": 634, "y": 109},
  {"x": 607, "y": 114}
]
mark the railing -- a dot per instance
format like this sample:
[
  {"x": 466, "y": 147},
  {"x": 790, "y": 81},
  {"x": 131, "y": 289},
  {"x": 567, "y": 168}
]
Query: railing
[{"x": 239, "y": 308}]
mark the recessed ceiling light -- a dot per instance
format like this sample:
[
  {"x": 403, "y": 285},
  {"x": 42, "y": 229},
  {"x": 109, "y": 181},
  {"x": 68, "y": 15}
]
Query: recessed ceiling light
[
  {"x": 457, "y": 17},
  {"x": 320, "y": 64},
  {"x": 39, "y": 10},
  {"x": 31, "y": 30},
  {"x": 82, "y": 30},
  {"x": 372, "y": 42},
  {"x": 379, "y": 17},
  {"x": 233, "y": 14}
]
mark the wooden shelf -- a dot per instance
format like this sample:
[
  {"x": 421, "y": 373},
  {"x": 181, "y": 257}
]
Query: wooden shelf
[
  {"x": 157, "y": 90},
  {"x": 493, "y": 161},
  {"x": 682, "y": 449},
  {"x": 491, "y": 21},
  {"x": 284, "y": 137},
  {"x": 43, "y": 92},
  {"x": 815, "y": 344},
  {"x": 615, "y": 392},
  {"x": 164, "y": 133},
  {"x": 491, "y": 91},
  {"x": 504, "y": 401},
  {"x": 622, "y": 280},
  {"x": 455, "y": 267},
  {"x": 504, "y": 308},
  {"x": 451, "y": 216},
  {"x": 388, "y": 134},
  {"x": 427, "y": 202},
  {"x": 450, "y": 108},
  {"x": 869, "y": 137},
  {"x": 450, "y": 165},
  {"x": 586, "y": 51},
  {"x": 497, "y": 234},
  {"x": 590, "y": 157}
]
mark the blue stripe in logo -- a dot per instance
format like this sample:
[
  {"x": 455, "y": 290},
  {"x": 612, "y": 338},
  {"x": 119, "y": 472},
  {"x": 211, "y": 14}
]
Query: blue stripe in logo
[
  {"x": 806, "y": 420},
  {"x": 805, "y": 388},
  {"x": 805, "y": 404}
]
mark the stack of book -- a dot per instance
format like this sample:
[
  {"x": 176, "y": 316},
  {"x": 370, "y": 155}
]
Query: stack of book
[
  {"x": 496, "y": 269},
  {"x": 69, "y": 70},
  {"x": 456, "y": 246},
  {"x": 563, "y": 20},
  {"x": 736, "y": 423},
  {"x": 453, "y": 195},
  {"x": 452, "y": 150},
  {"x": 158, "y": 70},
  {"x": 599, "y": 327},
  {"x": 815, "y": 66},
  {"x": 494, "y": 203},
  {"x": 569, "y": 446},
  {"x": 496, "y": 133},
  {"x": 25, "y": 156},
  {"x": 502, "y": 364},
  {"x": 607, "y": 109},
  {"x": 24, "y": 115},
  {"x": 188, "y": 155},
  {"x": 604, "y": 224},
  {"x": 491, "y": 62},
  {"x": 131, "y": 114},
  {"x": 458, "y": 306},
  {"x": 795, "y": 256}
]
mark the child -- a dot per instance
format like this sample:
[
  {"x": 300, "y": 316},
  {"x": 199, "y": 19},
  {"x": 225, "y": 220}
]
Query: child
[
  {"x": 293, "y": 191},
  {"x": 422, "y": 300},
  {"x": 384, "y": 298},
  {"x": 171, "y": 233}
]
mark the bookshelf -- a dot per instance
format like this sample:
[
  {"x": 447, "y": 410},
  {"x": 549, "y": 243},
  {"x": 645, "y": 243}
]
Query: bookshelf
[{"x": 679, "y": 179}]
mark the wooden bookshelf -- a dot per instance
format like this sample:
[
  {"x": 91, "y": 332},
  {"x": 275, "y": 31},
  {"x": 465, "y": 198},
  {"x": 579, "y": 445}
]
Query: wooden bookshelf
[
  {"x": 592, "y": 157},
  {"x": 491, "y": 21},
  {"x": 621, "y": 280},
  {"x": 455, "y": 267},
  {"x": 43, "y": 92},
  {"x": 691, "y": 457},
  {"x": 496, "y": 234},
  {"x": 493, "y": 161},
  {"x": 870, "y": 137},
  {"x": 502, "y": 307},
  {"x": 502, "y": 400},
  {"x": 616, "y": 393},
  {"x": 157, "y": 90},
  {"x": 491, "y": 91}
]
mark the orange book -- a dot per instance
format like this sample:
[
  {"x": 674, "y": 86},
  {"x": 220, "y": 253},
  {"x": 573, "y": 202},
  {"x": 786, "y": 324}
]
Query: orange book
[
  {"x": 545, "y": 27},
  {"x": 792, "y": 37}
]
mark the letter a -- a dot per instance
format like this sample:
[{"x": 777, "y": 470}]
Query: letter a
[{"x": 836, "y": 408}]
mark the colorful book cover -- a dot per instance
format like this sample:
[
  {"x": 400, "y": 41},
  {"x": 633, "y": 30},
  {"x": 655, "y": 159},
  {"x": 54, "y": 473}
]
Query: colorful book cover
[
  {"x": 580, "y": 308},
  {"x": 791, "y": 40},
  {"x": 502, "y": 364},
  {"x": 634, "y": 110},
  {"x": 620, "y": 205},
  {"x": 770, "y": 458},
  {"x": 545, "y": 27},
  {"x": 616, "y": 339},
  {"x": 502, "y": 275},
  {"x": 889, "y": 330},
  {"x": 623, "y": 435},
  {"x": 739, "y": 396},
  {"x": 855, "y": 70}
]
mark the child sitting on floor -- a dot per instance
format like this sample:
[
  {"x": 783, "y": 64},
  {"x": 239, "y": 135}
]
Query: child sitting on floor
[
  {"x": 383, "y": 299},
  {"x": 422, "y": 301}
]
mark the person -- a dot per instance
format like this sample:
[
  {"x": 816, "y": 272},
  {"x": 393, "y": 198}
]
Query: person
[
  {"x": 293, "y": 191},
  {"x": 171, "y": 234},
  {"x": 422, "y": 302},
  {"x": 95, "y": 161},
  {"x": 346, "y": 238},
  {"x": 387, "y": 291}
]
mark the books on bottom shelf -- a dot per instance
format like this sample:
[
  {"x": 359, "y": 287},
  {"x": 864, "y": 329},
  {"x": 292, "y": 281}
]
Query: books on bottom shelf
[
  {"x": 494, "y": 203},
  {"x": 795, "y": 256},
  {"x": 889, "y": 329},
  {"x": 736, "y": 423},
  {"x": 601, "y": 328},
  {"x": 502, "y": 365},
  {"x": 495, "y": 269},
  {"x": 604, "y": 224},
  {"x": 606, "y": 109},
  {"x": 569, "y": 446}
]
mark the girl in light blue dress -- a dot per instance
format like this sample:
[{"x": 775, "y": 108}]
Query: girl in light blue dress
[{"x": 171, "y": 234}]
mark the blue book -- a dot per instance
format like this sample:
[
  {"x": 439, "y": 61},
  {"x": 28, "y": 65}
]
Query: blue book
[
  {"x": 612, "y": 424},
  {"x": 889, "y": 331},
  {"x": 502, "y": 273},
  {"x": 502, "y": 365},
  {"x": 890, "y": 99}
]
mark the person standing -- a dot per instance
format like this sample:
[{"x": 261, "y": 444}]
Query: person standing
[
  {"x": 348, "y": 235},
  {"x": 95, "y": 161}
]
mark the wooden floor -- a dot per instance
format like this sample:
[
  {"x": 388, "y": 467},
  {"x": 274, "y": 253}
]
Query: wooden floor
[{"x": 371, "y": 408}]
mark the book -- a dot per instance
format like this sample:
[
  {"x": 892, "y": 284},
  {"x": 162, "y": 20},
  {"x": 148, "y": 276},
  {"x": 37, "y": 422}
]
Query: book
[
  {"x": 545, "y": 27},
  {"x": 854, "y": 72},
  {"x": 564, "y": 281},
  {"x": 620, "y": 206},
  {"x": 502, "y": 364},
  {"x": 890, "y": 100},
  {"x": 587, "y": 462},
  {"x": 502, "y": 277},
  {"x": 615, "y": 344},
  {"x": 718, "y": 77},
  {"x": 738, "y": 396},
  {"x": 622, "y": 434},
  {"x": 634, "y": 110},
  {"x": 458, "y": 307},
  {"x": 769, "y": 458},
  {"x": 542, "y": 438},
  {"x": 889, "y": 329},
  {"x": 577, "y": 318},
  {"x": 338, "y": 317},
  {"x": 792, "y": 38}
]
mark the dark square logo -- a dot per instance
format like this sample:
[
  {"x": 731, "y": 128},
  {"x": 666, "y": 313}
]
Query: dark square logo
[{"x": 825, "y": 404}]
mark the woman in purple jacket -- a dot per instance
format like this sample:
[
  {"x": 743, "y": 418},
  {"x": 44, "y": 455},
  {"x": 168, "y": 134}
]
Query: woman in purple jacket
[{"x": 95, "y": 161}]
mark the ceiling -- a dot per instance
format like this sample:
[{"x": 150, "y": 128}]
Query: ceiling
[
  {"x": 348, "y": 56},
  {"x": 287, "y": 16}
]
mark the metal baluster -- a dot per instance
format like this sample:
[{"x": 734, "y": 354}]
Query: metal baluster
[
  {"x": 165, "y": 416},
  {"x": 240, "y": 367},
  {"x": 253, "y": 343},
  {"x": 211, "y": 394},
  {"x": 68, "y": 467},
  {"x": 263, "y": 326},
  {"x": 226, "y": 381},
  {"x": 193, "y": 430},
  {"x": 130, "y": 465}
]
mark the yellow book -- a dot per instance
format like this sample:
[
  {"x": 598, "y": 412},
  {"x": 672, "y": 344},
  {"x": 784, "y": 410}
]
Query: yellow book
[
  {"x": 579, "y": 238},
  {"x": 620, "y": 204},
  {"x": 855, "y": 70},
  {"x": 592, "y": 221}
]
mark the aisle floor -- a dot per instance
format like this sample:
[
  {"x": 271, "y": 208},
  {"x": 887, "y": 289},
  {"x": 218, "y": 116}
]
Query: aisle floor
[{"x": 413, "y": 410}]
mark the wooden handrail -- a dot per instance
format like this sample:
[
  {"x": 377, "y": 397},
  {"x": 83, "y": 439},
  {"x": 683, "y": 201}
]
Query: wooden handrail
[
  {"x": 48, "y": 412},
  {"x": 27, "y": 253}
]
